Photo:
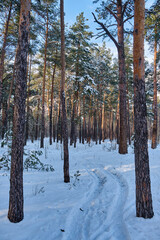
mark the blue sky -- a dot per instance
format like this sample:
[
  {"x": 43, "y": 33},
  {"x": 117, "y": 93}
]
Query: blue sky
[{"x": 74, "y": 7}]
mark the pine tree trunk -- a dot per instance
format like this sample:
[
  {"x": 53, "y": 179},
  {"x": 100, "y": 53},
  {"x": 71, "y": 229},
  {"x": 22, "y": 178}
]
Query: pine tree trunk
[
  {"x": 15, "y": 213},
  {"x": 154, "y": 133},
  {"x": 51, "y": 108},
  {"x": 43, "y": 92},
  {"x": 3, "y": 50},
  {"x": 4, "y": 118},
  {"x": 80, "y": 122},
  {"x": 95, "y": 126},
  {"x": 117, "y": 119},
  {"x": 5, "y": 122},
  {"x": 64, "y": 117},
  {"x": 28, "y": 94},
  {"x": 83, "y": 127},
  {"x": 100, "y": 125},
  {"x": 122, "y": 82},
  {"x": 37, "y": 121},
  {"x": 111, "y": 125},
  {"x": 103, "y": 115},
  {"x": 12, "y": 83},
  {"x": 143, "y": 186},
  {"x": 59, "y": 122},
  {"x": 128, "y": 121}
]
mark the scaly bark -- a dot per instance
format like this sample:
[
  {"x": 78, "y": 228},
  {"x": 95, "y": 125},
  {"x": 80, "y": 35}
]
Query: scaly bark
[
  {"x": 51, "y": 107},
  {"x": 154, "y": 133},
  {"x": 64, "y": 116},
  {"x": 28, "y": 95},
  {"x": 143, "y": 186},
  {"x": 122, "y": 81},
  {"x": 15, "y": 213}
]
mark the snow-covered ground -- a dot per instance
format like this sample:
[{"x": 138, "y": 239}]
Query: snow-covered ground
[{"x": 98, "y": 203}]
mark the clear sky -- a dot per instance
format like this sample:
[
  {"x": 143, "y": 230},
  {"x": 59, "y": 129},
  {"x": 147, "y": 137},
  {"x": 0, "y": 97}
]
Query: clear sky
[{"x": 74, "y": 7}]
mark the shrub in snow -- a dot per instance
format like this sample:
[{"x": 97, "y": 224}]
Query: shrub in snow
[{"x": 31, "y": 162}]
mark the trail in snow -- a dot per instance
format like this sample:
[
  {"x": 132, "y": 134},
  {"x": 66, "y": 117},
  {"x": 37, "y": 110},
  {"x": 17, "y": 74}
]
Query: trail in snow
[{"x": 99, "y": 215}]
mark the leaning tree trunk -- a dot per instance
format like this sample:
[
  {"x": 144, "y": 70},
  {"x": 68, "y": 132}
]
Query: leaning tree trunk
[
  {"x": 154, "y": 133},
  {"x": 15, "y": 213},
  {"x": 143, "y": 186},
  {"x": 64, "y": 117}
]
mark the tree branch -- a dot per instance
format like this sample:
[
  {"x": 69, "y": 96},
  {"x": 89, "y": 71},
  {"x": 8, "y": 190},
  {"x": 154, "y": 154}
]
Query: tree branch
[
  {"x": 106, "y": 31},
  {"x": 100, "y": 35},
  {"x": 111, "y": 25},
  {"x": 124, "y": 7},
  {"x": 128, "y": 18},
  {"x": 112, "y": 13},
  {"x": 114, "y": 3}
]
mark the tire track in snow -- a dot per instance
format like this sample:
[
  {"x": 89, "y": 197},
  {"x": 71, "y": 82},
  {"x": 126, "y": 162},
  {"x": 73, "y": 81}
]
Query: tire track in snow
[
  {"x": 117, "y": 227},
  {"x": 109, "y": 209},
  {"x": 75, "y": 220},
  {"x": 102, "y": 218}
]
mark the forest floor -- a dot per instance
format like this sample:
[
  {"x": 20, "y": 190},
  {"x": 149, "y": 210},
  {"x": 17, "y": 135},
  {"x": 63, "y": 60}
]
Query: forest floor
[{"x": 98, "y": 203}]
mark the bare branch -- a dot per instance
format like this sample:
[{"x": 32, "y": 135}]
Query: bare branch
[
  {"x": 124, "y": 7},
  {"x": 111, "y": 25},
  {"x": 112, "y": 13},
  {"x": 98, "y": 28},
  {"x": 128, "y": 18},
  {"x": 106, "y": 31},
  {"x": 114, "y": 3},
  {"x": 100, "y": 35}
]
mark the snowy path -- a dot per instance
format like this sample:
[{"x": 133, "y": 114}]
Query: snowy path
[
  {"x": 99, "y": 215},
  {"x": 99, "y": 204}
]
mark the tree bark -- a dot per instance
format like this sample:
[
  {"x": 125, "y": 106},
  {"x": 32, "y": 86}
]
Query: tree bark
[
  {"x": 15, "y": 213},
  {"x": 64, "y": 117},
  {"x": 28, "y": 94},
  {"x": 143, "y": 186},
  {"x": 122, "y": 81},
  {"x": 51, "y": 108},
  {"x": 4, "y": 118},
  {"x": 128, "y": 120},
  {"x": 37, "y": 121},
  {"x": 117, "y": 120},
  {"x": 154, "y": 133},
  {"x": 80, "y": 122},
  {"x": 103, "y": 118},
  {"x": 43, "y": 92},
  {"x": 83, "y": 127},
  {"x": 3, "y": 52}
]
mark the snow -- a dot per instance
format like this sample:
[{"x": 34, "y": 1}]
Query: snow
[{"x": 98, "y": 203}]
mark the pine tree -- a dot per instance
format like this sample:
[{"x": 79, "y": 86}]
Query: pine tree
[
  {"x": 15, "y": 213},
  {"x": 153, "y": 36},
  {"x": 117, "y": 13},
  {"x": 64, "y": 117},
  {"x": 143, "y": 186}
]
